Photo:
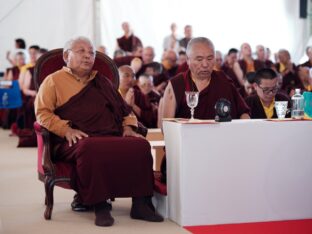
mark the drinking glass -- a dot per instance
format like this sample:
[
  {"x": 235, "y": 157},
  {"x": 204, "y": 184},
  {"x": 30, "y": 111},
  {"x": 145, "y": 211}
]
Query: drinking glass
[
  {"x": 281, "y": 109},
  {"x": 192, "y": 101}
]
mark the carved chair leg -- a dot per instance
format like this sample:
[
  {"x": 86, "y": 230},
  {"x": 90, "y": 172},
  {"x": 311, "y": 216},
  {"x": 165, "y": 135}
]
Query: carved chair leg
[{"x": 49, "y": 187}]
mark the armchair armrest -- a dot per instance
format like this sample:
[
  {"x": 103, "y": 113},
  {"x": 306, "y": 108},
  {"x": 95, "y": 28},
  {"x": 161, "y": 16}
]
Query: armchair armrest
[{"x": 45, "y": 164}]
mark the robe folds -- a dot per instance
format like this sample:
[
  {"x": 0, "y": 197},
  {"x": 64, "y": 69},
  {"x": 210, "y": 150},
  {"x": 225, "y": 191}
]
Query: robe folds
[
  {"x": 106, "y": 164},
  {"x": 220, "y": 87},
  {"x": 257, "y": 65},
  {"x": 129, "y": 44}
]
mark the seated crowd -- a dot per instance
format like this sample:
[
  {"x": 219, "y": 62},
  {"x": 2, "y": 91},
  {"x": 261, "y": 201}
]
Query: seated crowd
[{"x": 148, "y": 92}]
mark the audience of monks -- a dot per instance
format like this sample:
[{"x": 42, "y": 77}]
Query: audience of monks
[
  {"x": 148, "y": 91},
  {"x": 236, "y": 65}
]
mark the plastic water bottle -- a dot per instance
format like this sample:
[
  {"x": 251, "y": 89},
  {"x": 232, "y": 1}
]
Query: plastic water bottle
[
  {"x": 297, "y": 111},
  {"x": 5, "y": 100}
]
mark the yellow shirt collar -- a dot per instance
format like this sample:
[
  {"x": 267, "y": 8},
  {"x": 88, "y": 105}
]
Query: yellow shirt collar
[
  {"x": 91, "y": 77},
  {"x": 269, "y": 111}
]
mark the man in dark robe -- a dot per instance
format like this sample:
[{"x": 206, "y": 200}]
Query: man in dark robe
[
  {"x": 211, "y": 85},
  {"x": 261, "y": 57},
  {"x": 247, "y": 63},
  {"x": 93, "y": 130},
  {"x": 228, "y": 67},
  {"x": 188, "y": 34},
  {"x": 288, "y": 70},
  {"x": 135, "y": 98},
  {"x": 262, "y": 103},
  {"x": 128, "y": 42}
]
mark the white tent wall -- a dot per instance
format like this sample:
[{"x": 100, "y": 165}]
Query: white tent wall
[
  {"x": 275, "y": 24},
  {"x": 47, "y": 23}
]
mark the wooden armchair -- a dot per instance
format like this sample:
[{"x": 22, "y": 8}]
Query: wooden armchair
[{"x": 59, "y": 173}]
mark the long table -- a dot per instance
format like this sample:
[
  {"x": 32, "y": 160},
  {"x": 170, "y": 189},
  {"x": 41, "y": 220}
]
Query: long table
[{"x": 237, "y": 172}]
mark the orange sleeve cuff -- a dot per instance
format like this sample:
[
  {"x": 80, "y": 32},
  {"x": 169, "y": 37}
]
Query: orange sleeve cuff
[{"x": 130, "y": 120}]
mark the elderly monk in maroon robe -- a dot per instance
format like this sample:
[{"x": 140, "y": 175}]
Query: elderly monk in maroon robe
[
  {"x": 261, "y": 104},
  {"x": 210, "y": 84},
  {"x": 93, "y": 128}
]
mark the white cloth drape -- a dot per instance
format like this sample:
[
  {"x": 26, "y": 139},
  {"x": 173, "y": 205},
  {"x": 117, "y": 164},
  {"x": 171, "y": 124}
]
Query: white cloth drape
[
  {"x": 48, "y": 23},
  {"x": 275, "y": 24}
]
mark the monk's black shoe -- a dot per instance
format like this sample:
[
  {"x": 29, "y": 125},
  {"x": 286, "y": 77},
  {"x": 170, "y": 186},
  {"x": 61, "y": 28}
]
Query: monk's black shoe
[
  {"x": 103, "y": 216},
  {"x": 141, "y": 210},
  {"x": 77, "y": 205}
]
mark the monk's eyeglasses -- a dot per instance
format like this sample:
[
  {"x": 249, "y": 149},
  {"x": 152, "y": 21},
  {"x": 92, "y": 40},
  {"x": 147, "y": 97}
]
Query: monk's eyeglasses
[
  {"x": 269, "y": 90},
  {"x": 81, "y": 52}
]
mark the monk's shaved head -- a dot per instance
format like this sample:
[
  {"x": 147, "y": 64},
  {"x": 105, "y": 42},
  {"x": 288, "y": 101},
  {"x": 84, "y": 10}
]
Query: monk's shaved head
[
  {"x": 126, "y": 69},
  {"x": 198, "y": 40}
]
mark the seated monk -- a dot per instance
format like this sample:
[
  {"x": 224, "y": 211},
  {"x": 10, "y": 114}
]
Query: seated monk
[
  {"x": 135, "y": 98},
  {"x": 288, "y": 70},
  {"x": 93, "y": 130},
  {"x": 128, "y": 42},
  {"x": 29, "y": 92},
  {"x": 13, "y": 72},
  {"x": 247, "y": 63},
  {"x": 146, "y": 85},
  {"x": 211, "y": 85},
  {"x": 261, "y": 104},
  {"x": 8, "y": 116}
]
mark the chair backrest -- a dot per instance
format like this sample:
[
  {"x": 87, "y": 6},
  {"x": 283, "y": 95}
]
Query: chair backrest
[{"x": 52, "y": 61}]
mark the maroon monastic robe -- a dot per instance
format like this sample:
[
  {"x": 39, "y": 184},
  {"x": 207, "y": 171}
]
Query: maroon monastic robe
[
  {"x": 219, "y": 87},
  {"x": 256, "y": 108},
  {"x": 129, "y": 44},
  {"x": 257, "y": 65},
  {"x": 15, "y": 72},
  {"x": 24, "y": 126},
  {"x": 106, "y": 164},
  {"x": 230, "y": 73},
  {"x": 290, "y": 79},
  {"x": 148, "y": 115}
]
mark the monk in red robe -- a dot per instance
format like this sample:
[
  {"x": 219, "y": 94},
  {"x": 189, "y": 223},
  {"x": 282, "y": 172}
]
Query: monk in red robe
[
  {"x": 93, "y": 129},
  {"x": 133, "y": 96},
  {"x": 288, "y": 70},
  {"x": 128, "y": 42},
  {"x": 261, "y": 104},
  {"x": 211, "y": 85},
  {"x": 247, "y": 63}
]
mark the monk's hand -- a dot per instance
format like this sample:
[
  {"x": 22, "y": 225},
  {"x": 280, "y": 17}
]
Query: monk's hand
[
  {"x": 129, "y": 98},
  {"x": 73, "y": 135},
  {"x": 128, "y": 131}
]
